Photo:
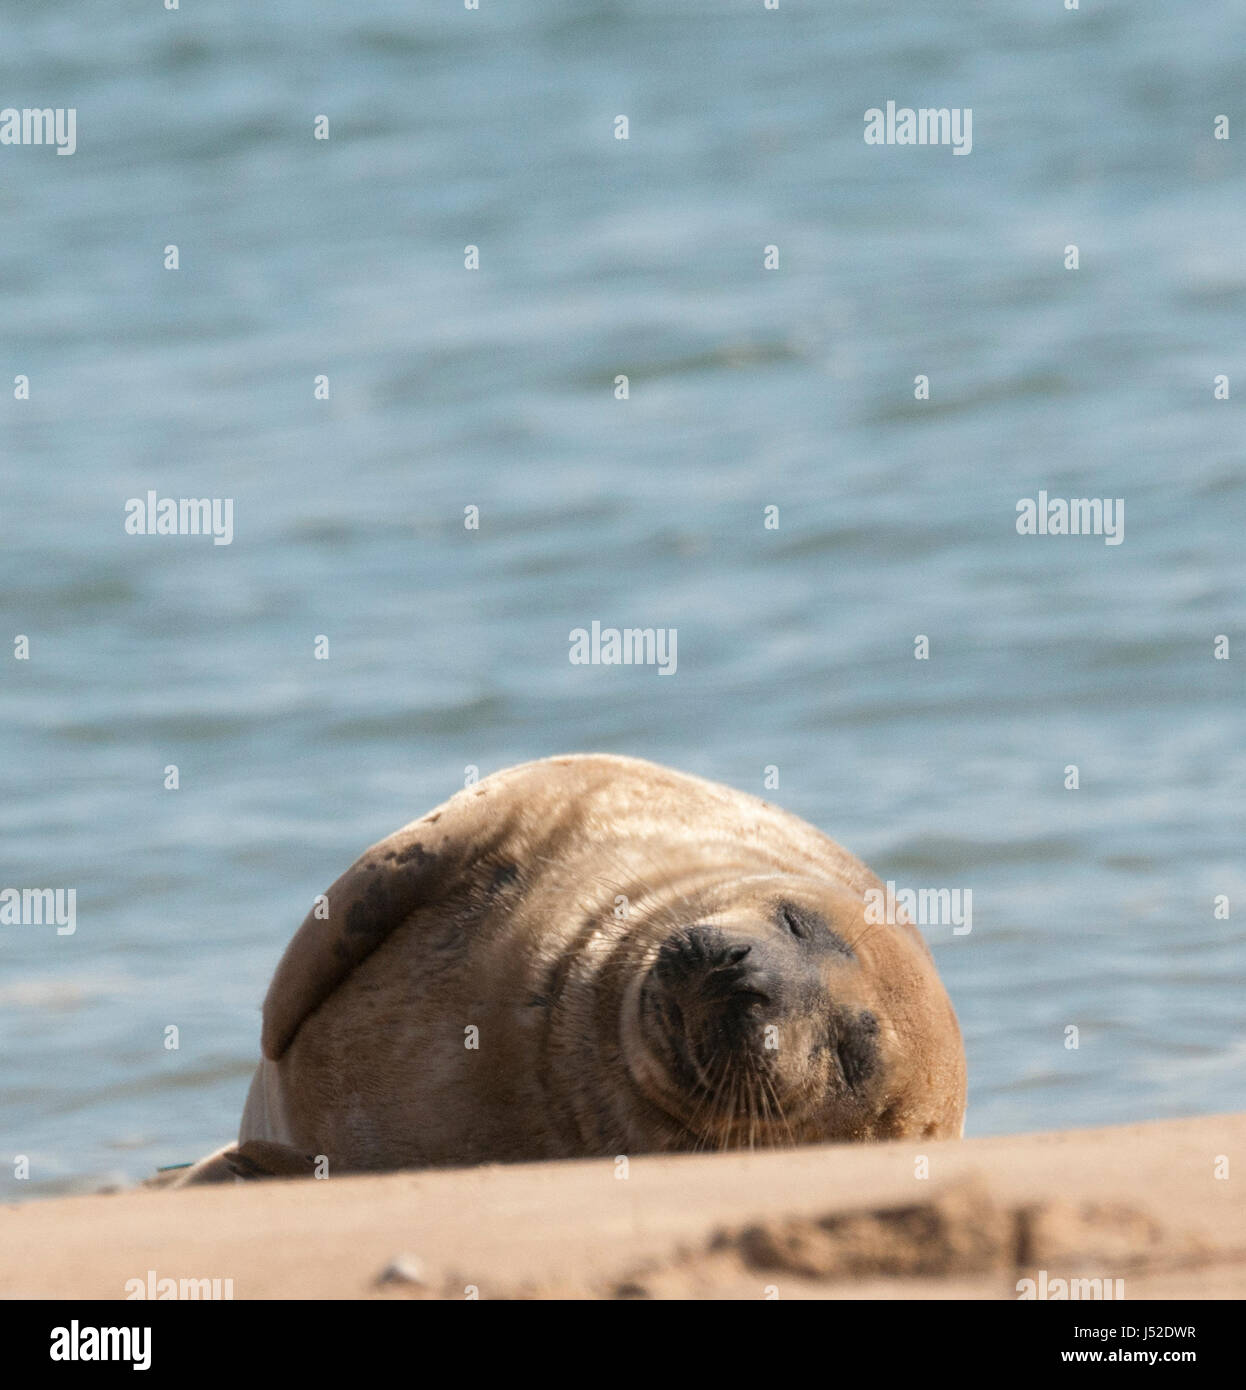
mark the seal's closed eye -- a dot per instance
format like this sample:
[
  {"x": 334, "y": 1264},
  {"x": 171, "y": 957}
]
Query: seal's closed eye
[{"x": 807, "y": 925}]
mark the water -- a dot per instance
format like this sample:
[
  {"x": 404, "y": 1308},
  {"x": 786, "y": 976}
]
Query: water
[{"x": 494, "y": 388}]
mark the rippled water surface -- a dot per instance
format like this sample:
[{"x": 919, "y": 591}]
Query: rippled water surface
[{"x": 495, "y": 389}]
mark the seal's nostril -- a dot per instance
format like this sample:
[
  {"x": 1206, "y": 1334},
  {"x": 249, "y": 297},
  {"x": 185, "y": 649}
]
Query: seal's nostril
[
  {"x": 736, "y": 955},
  {"x": 702, "y": 943},
  {"x": 691, "y": 954}
]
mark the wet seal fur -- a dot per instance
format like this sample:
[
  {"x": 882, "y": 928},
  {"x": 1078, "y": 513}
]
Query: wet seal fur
[{"x": 595, "y": 955}]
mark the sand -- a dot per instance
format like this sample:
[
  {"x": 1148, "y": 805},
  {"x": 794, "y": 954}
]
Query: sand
[{"x": 1139, "y": 1203}]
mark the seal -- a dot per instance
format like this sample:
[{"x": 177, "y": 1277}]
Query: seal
[{"x": 596, "y": 955}]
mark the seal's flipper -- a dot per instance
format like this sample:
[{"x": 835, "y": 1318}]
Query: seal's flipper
[
  {"x": 214, "y": 1168},
  {"x": 256, "y": 1158},
  {"x": 261, "y": 1158},
  {"x": 408, "y": 870}
]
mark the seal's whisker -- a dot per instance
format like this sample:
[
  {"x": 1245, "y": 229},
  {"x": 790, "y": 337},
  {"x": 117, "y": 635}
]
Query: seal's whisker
[
  {"x": 778, "y": 1107},
  {"x": 863, "y": 934},
  {"x": 709, "y": 1102},
  {"x": 731, "y": 1115}
]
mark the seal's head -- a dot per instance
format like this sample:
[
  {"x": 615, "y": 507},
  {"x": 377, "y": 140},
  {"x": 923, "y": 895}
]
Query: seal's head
[{"x": 783, "y": 1016}]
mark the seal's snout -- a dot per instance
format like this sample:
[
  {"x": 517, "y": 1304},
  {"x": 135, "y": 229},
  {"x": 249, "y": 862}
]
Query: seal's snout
[{"x": 702, "y": 964}]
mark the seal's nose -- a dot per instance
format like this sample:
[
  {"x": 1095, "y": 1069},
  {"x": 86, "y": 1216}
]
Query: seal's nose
[{"x": 704, "y": 963}]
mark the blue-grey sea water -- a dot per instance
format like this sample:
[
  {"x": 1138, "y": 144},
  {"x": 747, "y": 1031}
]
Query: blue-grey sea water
[{"x": 495, "y": 388}]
